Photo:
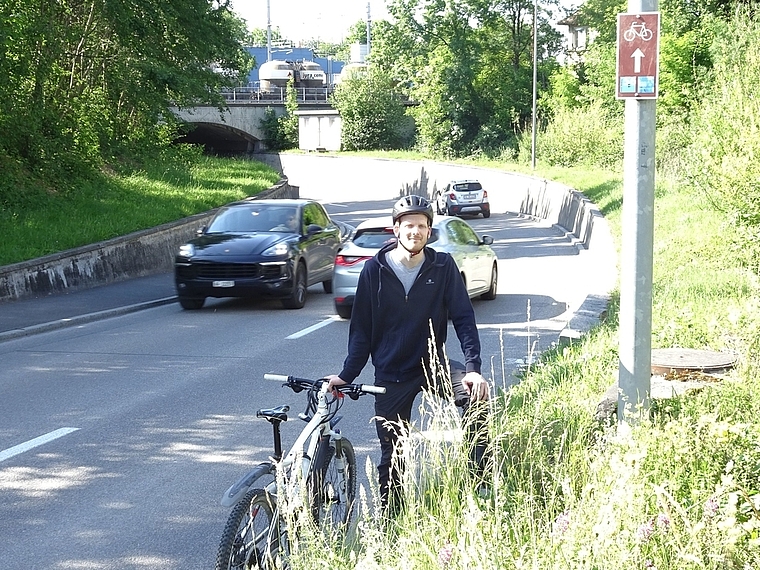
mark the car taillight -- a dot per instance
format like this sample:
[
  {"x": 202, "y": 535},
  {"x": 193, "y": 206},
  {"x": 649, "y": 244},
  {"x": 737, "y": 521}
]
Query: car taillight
[
  {"x": 453, "y": 196},
  {"x": 348, "y": 260},
  {"x": 485, "y": 195}
]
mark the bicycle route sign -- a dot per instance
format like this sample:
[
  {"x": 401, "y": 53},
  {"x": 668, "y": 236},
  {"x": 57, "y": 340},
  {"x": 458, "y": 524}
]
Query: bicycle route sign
[{"x": 638, "y": 40}]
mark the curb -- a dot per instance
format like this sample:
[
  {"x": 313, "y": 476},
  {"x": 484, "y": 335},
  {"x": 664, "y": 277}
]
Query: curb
[{"x": 82, "y": 319}]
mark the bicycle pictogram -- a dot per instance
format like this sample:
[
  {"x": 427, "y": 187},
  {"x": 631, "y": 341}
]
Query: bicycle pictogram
[{"x": 638, "y": 29}]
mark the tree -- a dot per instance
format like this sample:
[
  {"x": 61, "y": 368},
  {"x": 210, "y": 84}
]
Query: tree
[
  {"x": 371, "y": 111},
  {"x": 86, "y": 79}
]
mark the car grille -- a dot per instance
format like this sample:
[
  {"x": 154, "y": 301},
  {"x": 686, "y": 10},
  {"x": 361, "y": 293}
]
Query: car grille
[{"x": 231, "y": 271}]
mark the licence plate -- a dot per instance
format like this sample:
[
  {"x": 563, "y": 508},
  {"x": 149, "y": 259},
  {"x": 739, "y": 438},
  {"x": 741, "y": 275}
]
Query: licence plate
[
  {"x": 222, "y": 283},
  {"x": 468, "y": 196}
]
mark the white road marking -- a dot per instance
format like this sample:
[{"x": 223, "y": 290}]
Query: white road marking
[
  {"x": 313, "y": 328},
  {"x": 36, "y": 442}
]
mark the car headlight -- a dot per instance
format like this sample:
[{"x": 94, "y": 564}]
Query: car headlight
[
  {"x": 278, "y": 249},
  {"x": 187, "y": 250}
]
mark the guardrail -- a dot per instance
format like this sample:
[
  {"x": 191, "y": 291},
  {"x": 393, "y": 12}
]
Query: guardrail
[{"x": 276, "y": 95}]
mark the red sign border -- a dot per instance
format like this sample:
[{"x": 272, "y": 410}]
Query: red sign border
[{"x": 618, "y": 75}]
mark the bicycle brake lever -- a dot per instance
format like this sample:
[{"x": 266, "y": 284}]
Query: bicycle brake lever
[{"x": 353, "y": 394}]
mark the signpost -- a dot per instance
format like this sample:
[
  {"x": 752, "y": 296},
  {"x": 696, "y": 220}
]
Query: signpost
[
  {"x": 638, "y": 38},
  {"x": 637, "y": 63}
]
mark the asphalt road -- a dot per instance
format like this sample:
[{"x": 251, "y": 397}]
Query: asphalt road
[{"x": 150, "y": 415}]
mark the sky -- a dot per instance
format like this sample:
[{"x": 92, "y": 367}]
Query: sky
[{"x": 299, "y": 20}]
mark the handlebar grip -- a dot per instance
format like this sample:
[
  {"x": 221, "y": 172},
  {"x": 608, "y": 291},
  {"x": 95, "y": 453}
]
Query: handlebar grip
[
  {"x": 276, "y": 377},
  {"x": 370, "y": 389}
]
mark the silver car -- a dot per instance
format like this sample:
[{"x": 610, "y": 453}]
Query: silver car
[
  {"x": 473, "y": 255},
  {"x": 462, "y": 197}
]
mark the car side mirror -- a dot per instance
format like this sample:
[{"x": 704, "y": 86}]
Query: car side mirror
[
  {"x": 487, "y": 240},
  {"x": 200, "y": 231},
  {"x": 313, "y": 229}
]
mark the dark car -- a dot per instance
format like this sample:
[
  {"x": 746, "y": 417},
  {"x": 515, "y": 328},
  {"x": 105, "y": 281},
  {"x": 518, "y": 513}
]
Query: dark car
[{"x": 273, "y": 248}]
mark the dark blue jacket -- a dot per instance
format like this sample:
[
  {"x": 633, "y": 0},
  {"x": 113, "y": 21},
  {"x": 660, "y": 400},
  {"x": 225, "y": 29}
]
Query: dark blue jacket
[{"x": 394, "y": 328}]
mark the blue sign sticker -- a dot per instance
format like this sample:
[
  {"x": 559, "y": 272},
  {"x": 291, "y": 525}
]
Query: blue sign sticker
[
  {"x": 628, "y": 84},
  {"x": 646, "y": 84}
]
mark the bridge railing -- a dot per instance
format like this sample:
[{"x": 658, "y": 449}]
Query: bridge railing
[{"x": 256, "y": 94}]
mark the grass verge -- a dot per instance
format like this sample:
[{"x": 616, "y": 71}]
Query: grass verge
[{"x": 114, "y": 204}]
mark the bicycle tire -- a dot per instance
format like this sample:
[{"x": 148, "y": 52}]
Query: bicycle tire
[
  {"x": 251, "y": 537},
  {"x": 329, "y": 512}
]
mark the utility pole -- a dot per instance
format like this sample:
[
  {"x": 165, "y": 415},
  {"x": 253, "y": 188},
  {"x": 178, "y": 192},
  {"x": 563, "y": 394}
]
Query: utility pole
[
  {"x": 269, "y": 34},
  {"x": 638, "y": 47},
  {"x": 535, "y": 76},
  {"x": 369, "y": 30}
]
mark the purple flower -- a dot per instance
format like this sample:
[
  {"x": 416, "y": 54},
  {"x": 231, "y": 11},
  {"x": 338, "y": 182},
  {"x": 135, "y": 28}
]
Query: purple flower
[
  {"x": 444, "y": 555},
  {"x": 645, "y": 531},
  {"x": 562, "y": 523},
  {"x": 711, "y": 507},
  {"x": 663, "y": 522}
]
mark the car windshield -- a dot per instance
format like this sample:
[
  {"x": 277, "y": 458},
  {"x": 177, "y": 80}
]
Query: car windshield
[
  {"x": 467, "y": 186},
  {"x": 255, "y": 218},
  {"x": 375, "y": 238}
]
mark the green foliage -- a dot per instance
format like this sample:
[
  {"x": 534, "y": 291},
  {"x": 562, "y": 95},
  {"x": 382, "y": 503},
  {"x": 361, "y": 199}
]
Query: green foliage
[
  {"x": 589, "y": 135},
  {"x": 281, "y": 131},
  {"x": 83, "y": 83},
  {"x": 372, "y": 114},
  {"x": 723, "y": 157}
]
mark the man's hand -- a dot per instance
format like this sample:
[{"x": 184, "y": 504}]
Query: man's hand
[
  {"x": 333, "y": 380},
  {"x": 476, "y": 386}
]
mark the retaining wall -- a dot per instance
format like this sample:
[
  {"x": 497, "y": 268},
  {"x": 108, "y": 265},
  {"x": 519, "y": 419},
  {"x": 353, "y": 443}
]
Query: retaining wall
[{"x": 137, "y": 254}]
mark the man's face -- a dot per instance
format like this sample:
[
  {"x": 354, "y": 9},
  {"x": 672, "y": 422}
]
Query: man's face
[{"x": 412, "y": 231}]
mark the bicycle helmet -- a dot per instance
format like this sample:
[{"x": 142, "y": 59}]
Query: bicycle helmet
[{"x": 412, "y": 205}]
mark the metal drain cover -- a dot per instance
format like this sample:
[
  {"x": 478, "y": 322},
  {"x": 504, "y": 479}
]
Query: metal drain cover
[{"x": 669, "y": 360}]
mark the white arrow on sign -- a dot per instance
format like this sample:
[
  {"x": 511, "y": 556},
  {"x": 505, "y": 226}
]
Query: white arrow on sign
[{"x": 637, "y": 56}]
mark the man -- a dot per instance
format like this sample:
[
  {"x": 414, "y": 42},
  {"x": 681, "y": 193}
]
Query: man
[{"x": 403, "y": 291}]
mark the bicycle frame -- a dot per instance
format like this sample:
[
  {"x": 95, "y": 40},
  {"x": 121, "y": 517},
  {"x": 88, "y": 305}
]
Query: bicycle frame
[{"x": 316, "y": 430}]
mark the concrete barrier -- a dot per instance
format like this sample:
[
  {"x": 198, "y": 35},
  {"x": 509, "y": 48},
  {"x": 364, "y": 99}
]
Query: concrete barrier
[{"x": 137, "y": 254}]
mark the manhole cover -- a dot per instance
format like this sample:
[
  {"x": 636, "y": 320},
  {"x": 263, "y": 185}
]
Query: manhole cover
[{"x": 669, "y": 360}]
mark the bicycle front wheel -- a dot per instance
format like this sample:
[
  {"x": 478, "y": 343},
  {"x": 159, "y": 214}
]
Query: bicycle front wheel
[
  {"x": 251, "y": 537},
  {"x": 333, "y": 485}
]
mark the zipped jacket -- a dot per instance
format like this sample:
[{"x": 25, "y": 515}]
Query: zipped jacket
[{"x": 394, "y": 328}]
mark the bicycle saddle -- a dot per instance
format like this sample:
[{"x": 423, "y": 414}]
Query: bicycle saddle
[{"x": 280, "y": 413}]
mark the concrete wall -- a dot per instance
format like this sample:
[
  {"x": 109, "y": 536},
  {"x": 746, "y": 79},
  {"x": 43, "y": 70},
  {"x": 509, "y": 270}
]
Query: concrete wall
[
  {"x": 336, "y": 178},
  {"x": 135, "y": 255}
]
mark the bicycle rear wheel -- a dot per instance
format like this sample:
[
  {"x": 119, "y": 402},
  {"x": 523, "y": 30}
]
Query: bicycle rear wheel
[
  {"x": 332, "y": 485},
  {"x": 251, "y": 537}
]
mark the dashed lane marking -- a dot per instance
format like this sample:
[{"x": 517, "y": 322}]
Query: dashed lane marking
[{"x": 36, "y": 442}]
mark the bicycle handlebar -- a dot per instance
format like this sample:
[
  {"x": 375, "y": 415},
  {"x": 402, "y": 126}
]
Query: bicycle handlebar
[{"x": 350, "y": 389}]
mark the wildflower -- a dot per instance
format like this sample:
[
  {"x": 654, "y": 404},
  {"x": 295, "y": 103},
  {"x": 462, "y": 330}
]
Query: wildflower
[
  {"x": 711, "y": 507},
  {"x": 562, "y": 523},
  {"x": 645, "y": 531},
  {"x": 649, "y": 565},
  {"x": 444, "y": 554},
  {"x": 663, "y": 522}
]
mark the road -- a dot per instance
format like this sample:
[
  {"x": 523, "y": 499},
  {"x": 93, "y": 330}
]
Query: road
[{"x": 160, "y": 405}]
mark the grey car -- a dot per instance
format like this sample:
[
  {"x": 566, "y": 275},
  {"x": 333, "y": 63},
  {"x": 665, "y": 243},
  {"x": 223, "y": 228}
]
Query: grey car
[{"x": 476, "y": 260}]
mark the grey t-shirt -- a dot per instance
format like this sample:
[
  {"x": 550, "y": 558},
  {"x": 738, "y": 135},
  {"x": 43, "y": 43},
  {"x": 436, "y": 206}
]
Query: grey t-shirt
[{"x": 404, "y": 274}]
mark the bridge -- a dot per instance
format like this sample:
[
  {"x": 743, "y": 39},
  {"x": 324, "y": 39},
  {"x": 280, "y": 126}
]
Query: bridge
[{"x": 237, "y": 129}]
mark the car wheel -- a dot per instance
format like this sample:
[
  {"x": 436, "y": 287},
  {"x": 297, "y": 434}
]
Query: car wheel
[
  {"x": 297, "y": 298},
  {"x": 344, "y": 311},
  {"x": 191, "y": 303},
  {"x": 490, "y": 295},
  {"x": 486, "y": 213},
  {"x": 327, "y": 286}
]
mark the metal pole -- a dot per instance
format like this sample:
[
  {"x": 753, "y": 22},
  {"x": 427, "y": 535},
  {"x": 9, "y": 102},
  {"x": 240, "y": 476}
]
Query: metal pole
[
  {"x": 369, "y": 30},
  {"x": 535, "y": 75},
  {"x": 269, "y": 35},
  {"x": 635, "y": 365}
]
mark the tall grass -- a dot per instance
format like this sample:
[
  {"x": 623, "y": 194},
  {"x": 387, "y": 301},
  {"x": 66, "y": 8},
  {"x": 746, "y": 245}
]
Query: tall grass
[
  {"x": 115, "y": 204},
  {"x": 678, "y": 491}
]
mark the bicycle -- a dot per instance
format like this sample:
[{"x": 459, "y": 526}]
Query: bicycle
[{"x": 255, "y": 534}]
